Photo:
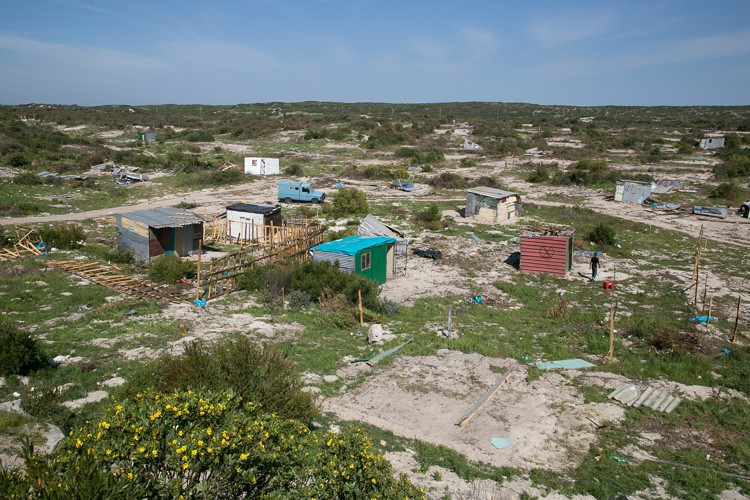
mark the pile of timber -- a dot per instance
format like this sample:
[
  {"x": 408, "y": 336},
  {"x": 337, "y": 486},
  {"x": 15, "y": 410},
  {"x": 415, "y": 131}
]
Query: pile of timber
[
  {"x": 108, "y": 276},
  {"x": 24, "y": 247}
]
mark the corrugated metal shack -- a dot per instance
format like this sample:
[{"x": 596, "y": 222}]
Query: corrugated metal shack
[
  {"x": 632, "y": 191},
  {"x": 488, "y": 204},
  {"x": 160, "y": 231},
  {"x": 547, "y": 250},
  {"x": 248, "y": 221},
  {"x": 369, "y": 256},
  {"x": 371, "y": 226}
]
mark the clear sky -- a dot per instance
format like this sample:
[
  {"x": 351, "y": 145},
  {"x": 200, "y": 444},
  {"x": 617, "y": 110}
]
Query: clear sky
[{"x": 629, "y": 52}]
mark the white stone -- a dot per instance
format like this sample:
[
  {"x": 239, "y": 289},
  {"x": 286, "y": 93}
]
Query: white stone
[{"x": 375, "y": 334}]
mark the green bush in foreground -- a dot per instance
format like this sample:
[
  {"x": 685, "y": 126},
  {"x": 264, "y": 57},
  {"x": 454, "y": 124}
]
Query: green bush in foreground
[
  {"x": 264, "y": 375},
  {"x": 603, "y": 234},
  {"x": 209, "y": 445},
  {"x": 20, "y": 352}
]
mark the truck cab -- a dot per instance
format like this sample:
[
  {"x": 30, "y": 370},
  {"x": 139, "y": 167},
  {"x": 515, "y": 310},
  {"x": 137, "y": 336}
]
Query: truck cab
[{"x": 290, "y": 191}]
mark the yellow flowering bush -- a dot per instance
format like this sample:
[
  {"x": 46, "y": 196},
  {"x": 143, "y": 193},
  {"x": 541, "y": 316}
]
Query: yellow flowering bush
[{"x": 203, "y": 444}]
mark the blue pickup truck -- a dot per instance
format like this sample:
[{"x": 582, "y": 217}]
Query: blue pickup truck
[{"x": 290, "y": 191}]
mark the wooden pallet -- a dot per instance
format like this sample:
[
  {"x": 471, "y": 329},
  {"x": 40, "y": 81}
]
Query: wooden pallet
[{"x": 108, "y": 276}]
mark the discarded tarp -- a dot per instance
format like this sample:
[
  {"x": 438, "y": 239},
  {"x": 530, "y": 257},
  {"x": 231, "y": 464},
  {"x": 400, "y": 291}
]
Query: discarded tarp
[
  {"x": 126, "y": 176},
  {"x": 711, "y": 212},
  {"x": 565, "y": 364},
  {"x": 428, "y": 253},
  {"x": 665, "y": 206},
  {"x": 374, "y": 359},
  {"x": 588, "y": 252},
  {"x": 104, "y": 167},
  {"x": 630, "y": 395},
  {"x": 702, "y": 319}
]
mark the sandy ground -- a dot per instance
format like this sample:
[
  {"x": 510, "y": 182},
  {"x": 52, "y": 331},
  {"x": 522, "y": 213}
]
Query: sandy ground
[{"x": 424, "y": 397}]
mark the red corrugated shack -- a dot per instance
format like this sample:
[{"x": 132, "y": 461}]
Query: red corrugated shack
[{"x": 547, "y": 250}]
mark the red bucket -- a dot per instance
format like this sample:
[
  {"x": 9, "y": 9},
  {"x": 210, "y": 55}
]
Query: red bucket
[{"x": 609, "y": 285}]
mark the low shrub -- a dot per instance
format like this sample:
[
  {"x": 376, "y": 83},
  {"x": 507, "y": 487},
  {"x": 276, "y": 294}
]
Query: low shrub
[
  {"x": 727, "y": 191},
  {"x": 20, "y": 353},
  {"x": 199, "y": 136},
  {"x": 118, "y": 255},
  {"x": 294, "y": 169},
  {"x": 273, "y": 279},
  {"x": 63, "y": 236},
  {"x": 540, "y": 175},
  {"x": 386, "y": 173},
  {"x": 262, "y": 374},
  {"x": 170, "y": 269},
  {"x": 389, "y": 307},
  {"x": 349, "y": 201},
  {"x": 45, "y": 403},
  {"x": 429, "y": 217},
  {"x": 28, "y": 179},
  {"x": 586, "y": 173},
  {"x": 223, "y": 177},
  {"x": 448, "y": 180},
  {"x": 313, "y": 277},
  {"x": 603, "y": 234},
  {"x": 299, "y": 300}
]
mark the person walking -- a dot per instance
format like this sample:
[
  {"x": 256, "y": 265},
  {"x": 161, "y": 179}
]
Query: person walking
[{"x": 594, "y": 266}]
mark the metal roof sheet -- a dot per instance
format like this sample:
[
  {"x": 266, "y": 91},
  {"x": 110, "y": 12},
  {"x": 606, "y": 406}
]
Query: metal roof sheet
[
  {"x": 253, "y": 208},
  {"x": 351, "y": 245},
  {"x": 165, "y": 217},
  {"x": 371, "y": 226},
  {"x": 491, "y": 192}
]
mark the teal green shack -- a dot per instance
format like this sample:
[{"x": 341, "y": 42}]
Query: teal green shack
[{"x": 370, "y": 256}]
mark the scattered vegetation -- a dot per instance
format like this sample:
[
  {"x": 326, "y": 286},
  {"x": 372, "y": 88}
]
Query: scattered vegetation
[
  {"x": 349, "y": 201},
  {"x": 21, "y": 353},
  {"x": 170, "y": 269},
  {"x": 63, "y": 236}
]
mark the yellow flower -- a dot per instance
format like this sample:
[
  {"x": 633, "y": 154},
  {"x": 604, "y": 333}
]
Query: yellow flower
[
  {"x": 244, "y": 456},
  {"x": 130, "y": 475},
  {"x": 209, "y": 431},
  {"x": 185, "y": 466},
  {"x": 373, "y": 481},
  {"x": 154, "y": 453}
]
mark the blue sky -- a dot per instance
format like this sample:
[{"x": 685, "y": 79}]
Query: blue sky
[{"x": 628, "y": 52}]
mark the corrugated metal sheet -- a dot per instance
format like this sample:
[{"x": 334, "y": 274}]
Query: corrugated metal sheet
[
  {"x": 632, "y": 191},
  {"x": 165, "y": 217},
  {"x": 345, "y": 262},
  {"x": 137, "y": 244},
  {"x": 650, "y": 398},
  {"x": 544, "y": 254},
  {"x": 371, "y": 226},
  {"x": 254, "y": 209},
  {"x": 491, "y": 192}
]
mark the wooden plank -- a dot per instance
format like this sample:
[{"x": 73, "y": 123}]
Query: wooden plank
[{"x": 483, "y": 400}]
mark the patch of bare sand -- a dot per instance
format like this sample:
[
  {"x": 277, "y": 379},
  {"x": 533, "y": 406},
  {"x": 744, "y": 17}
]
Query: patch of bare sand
[
  {"x": 424, "y": 397},
  {"x": 423, "y": 278}
]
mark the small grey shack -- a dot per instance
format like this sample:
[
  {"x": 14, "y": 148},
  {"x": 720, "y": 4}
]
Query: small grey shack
[
  {"x": 160, "y": 231},
  {"x": 492, "y": 205}
]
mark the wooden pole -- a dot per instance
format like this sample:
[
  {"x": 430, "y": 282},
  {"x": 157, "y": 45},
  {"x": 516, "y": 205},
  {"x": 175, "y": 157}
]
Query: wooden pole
[
  {"x": 705, "y": 291},
  {"x": 710, "y": 306},
  {"x": 611, "y": 352},
  {"x": 198, "y": 274},
  {"x": 697, "y": 256},
  {"x": 483, "y": 400},
  {"x": 359, "y": 297},
  {"x": 695, "y": 283},
  {"x": 736, "y": 319}
]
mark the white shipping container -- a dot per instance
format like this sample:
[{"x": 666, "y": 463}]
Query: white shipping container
[{"x": 262, "y": 166}]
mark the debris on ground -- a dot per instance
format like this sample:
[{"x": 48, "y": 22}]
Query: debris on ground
[
  {"x": 428, "y": 253},
  {"x": 564, "y": 364},
  {"x": 630, "y": 395}
]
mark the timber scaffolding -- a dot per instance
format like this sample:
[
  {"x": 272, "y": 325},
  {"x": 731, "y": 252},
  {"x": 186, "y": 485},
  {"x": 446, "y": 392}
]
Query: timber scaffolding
[
  {"x": 109, "y": 277},
  {"x": 27, "y": 243},
  {"x": 221, "y": 230},
  {"x": 288, "y": 243}
]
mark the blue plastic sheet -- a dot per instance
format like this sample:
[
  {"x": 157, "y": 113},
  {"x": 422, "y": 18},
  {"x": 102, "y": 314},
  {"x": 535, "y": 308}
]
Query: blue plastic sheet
[
  {"x": 702, "y": 319},
  {"x": 200, "y": 302}
]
